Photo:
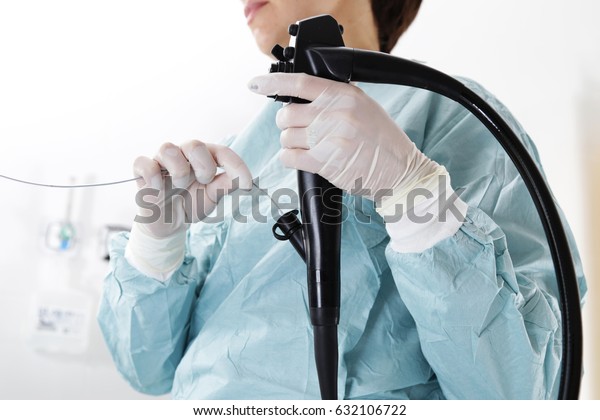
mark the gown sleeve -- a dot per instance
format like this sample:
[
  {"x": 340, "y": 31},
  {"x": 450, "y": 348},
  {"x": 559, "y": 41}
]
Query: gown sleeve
[
  {"x": 485, "y": 300},
  {"x": 145, "y": 322}
]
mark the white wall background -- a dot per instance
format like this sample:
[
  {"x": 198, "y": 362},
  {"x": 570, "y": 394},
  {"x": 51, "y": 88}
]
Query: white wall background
[{"x": 87, "y": 86}]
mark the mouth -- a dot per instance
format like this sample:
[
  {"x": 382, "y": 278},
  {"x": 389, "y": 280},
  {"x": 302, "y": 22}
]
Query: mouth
[{"x": 252, "y": 8}]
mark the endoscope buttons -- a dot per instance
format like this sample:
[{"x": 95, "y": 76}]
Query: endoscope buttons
[
  {"x": 289, "y": 52},
  {"x": 278, "y": 52},
  {"x": 293, "y": 29}
]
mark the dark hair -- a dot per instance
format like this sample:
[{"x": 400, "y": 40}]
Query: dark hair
[{"x": 393, "y": 17}]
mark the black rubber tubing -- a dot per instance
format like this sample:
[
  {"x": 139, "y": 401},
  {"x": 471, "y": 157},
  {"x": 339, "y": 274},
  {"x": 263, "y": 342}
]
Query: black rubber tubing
[{"x": 374, "y": 67}]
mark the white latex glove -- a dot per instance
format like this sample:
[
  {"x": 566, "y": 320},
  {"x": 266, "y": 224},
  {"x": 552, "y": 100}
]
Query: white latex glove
[
  {"x": 168, "y": 204},
  {"x": 350, "y": 140}
]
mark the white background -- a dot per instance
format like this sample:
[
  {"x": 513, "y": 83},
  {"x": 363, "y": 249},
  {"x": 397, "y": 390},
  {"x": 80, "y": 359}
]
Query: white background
[{"x": 85, "y": 87}]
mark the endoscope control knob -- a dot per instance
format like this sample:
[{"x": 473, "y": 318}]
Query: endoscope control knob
[
  {"x": 278, "y": 52},
  {"x": 289, "y": 52},
  {"x": 284, "y": 65},
  {"x": 293, "y": 29}
]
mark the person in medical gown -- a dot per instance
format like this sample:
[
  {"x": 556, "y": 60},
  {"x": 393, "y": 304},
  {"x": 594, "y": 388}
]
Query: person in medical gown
[{"x": 448, "y": 288}]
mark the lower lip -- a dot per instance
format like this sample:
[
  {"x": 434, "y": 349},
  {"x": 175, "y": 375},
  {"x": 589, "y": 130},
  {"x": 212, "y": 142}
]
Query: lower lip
[{"x": 253, "y": 12}]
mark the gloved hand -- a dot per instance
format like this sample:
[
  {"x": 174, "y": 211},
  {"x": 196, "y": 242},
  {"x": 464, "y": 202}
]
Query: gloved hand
[
  {"x": 350, "y": 140},
  {"x": 342, "y": 135},
  {"x": 168, "y": 204}
]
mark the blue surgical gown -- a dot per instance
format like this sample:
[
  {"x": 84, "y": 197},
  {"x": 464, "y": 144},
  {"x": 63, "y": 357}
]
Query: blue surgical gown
[{"x": 474, "y": 317}]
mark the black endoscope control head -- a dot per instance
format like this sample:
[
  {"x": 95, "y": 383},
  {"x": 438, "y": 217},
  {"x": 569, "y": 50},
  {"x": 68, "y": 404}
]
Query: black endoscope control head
[
  {"x": 318, "y": 242},
  {"x": 320, "y": 31}
]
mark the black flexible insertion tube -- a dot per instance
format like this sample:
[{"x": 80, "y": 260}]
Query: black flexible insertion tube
[
  {"x": 325, "y": 337},
  {"x": 368, "y": 66}
]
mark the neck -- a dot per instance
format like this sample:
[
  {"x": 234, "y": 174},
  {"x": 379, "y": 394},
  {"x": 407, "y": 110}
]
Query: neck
[{"x": 360, "y": 30}]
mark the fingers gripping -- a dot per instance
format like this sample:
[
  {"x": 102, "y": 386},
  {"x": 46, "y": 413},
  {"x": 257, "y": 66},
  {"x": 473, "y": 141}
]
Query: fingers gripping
[
  {"x": 290, "y": 84},
  {"x": 201, "y": 160},
  {"x": 149, "y": 170},
  {"x": 172, "y": 159},
  {"x": 236, "y": 174}
]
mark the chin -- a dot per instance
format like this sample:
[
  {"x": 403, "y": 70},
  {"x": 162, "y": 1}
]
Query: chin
[
  {"x": 263, "y": 42},
  {"x": 266, "y": 41}
]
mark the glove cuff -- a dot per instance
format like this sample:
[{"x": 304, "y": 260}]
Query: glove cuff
[
  {"x": 413, "y": 192},
  {"x": 155, "y": 257},
  {"x": 418, "y": 217}
]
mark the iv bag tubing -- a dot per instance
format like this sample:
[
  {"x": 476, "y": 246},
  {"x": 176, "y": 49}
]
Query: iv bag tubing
[{"x": 373, "y": 67}]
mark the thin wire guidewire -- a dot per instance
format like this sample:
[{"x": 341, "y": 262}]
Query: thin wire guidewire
[
  {"x": 101, "y": 184},
  {"x": 40, "y": 184},
  {"x": 104, "y": 184},
  {"x": 279, "y": 210}
]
